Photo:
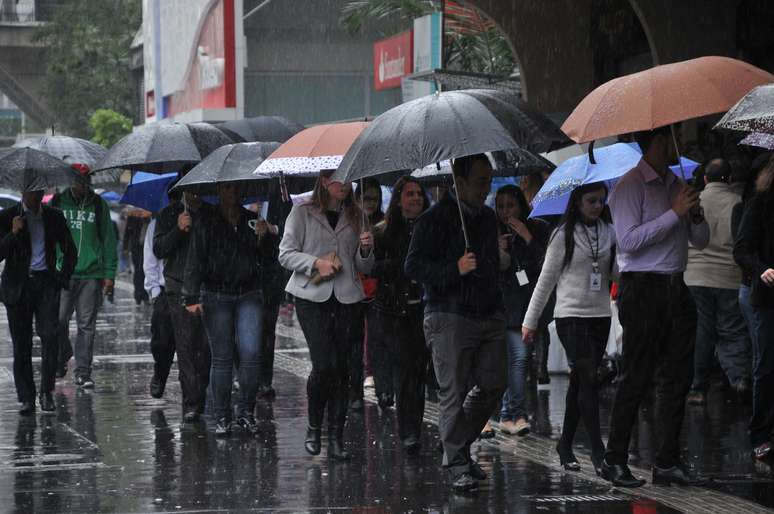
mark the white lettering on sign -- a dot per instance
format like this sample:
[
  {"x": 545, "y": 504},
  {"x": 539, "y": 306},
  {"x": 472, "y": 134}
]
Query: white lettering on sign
[
  {"x": 211, "y": 69},
  {"x": 391, "y": 68}
]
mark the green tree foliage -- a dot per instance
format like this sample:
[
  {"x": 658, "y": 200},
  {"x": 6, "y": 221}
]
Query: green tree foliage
[
  {"x": 472, "y": 43},
  {"x": 109, "y": 126},
  {"x": 87, "y": 60}
]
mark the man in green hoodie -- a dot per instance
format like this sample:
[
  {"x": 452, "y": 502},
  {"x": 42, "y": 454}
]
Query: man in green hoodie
[{"x": 91, "y": 228}]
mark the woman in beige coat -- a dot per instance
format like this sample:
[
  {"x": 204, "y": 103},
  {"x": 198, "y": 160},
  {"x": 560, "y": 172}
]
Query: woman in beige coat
[{"x": 324, "y": 248}]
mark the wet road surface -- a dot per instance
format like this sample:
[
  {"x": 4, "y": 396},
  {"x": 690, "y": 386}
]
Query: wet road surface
[{"x": 116, "y": 449}]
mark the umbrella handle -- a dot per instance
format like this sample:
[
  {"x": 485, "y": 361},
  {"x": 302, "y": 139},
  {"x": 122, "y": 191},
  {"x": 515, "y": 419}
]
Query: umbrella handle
[
  {"x": 677, "y": 151},
  {"x": 592, "y": 160},
  {"x": 462, "y": 216}
]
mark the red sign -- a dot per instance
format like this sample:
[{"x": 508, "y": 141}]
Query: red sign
[{"x": 392, "y": 60}]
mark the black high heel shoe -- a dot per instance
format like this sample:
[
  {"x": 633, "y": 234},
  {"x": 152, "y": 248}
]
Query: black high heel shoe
[
  {"x": 597, "y": 461},
  {"x": 567, "y": 458},
  {"x": 312, "y": 441}
]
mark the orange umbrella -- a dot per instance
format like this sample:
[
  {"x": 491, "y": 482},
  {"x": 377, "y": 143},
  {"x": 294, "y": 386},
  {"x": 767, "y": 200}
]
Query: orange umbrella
[
  {"x": 317, "y": 148},
  {"x": 663, "y": 95}
]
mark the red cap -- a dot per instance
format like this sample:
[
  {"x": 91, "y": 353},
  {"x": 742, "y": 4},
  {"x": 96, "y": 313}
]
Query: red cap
[{"x": 82, "y": 169}]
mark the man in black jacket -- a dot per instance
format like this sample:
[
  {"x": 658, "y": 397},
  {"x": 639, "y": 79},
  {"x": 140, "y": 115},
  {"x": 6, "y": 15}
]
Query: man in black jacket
[
  {"x": 171, "y": 243},
  {"x": 29, "y": 235},
  {"x": 464, "y": 322}
]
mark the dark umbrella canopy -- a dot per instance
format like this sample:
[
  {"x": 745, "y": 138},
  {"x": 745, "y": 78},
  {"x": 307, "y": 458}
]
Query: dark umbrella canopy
[
  {"x": 446, "y": 126},
  {"x": 165, "y": 147},
  {"x": 27, "y": 169},
  {"x": 753, "y": 113},
  {"x": 263, "y": 128},
  {"x": 230, "y": 163}
]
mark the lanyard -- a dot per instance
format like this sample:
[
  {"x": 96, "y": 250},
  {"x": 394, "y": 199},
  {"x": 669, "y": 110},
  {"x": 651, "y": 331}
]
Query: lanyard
[{"x": 594, "y": 251}]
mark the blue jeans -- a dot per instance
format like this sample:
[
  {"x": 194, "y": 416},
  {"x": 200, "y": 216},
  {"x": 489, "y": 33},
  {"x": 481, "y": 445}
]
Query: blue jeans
[
  {"x": 721, "y": 330},
  {"x": 233, "y": 322},
  {"x": 514, "y": 397},
  {"x": 762, "y": 421},
  {"x": 749, "y": 314}
]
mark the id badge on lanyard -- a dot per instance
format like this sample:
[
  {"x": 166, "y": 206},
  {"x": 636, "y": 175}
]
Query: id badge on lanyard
[
  {"x": 595, "y": 278},
  {"x": 521, "y": 276}
]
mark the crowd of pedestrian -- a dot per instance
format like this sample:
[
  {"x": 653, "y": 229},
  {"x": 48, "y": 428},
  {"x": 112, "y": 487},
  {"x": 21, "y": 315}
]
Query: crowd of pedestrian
[{"x": 458, "y": 286}]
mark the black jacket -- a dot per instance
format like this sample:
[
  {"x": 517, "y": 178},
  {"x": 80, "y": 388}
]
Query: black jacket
[
  {"x": 16, "y": 251},
  {"x": 224, "y": 258},
  {"x": 437, "y": 245},
  {"x": 395, "y": 293},
  {"x": 754, "y": 248},
  {"x": 171, "y": 243},
  {"x": 527, "y": 257}
]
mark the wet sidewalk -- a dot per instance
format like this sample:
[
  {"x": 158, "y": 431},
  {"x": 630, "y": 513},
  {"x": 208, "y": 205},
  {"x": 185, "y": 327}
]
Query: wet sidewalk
[{"x": 116, "y": 449}]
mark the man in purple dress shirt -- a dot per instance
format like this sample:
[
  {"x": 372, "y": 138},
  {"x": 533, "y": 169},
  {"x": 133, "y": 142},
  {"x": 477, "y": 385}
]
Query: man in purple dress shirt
[{"x": 655, "y": 215}]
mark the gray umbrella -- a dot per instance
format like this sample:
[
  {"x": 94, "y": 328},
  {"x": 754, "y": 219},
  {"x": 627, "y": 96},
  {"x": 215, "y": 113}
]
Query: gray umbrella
[
  {"x": 75, "y": 150},
  {"x": 27, "y": 169},
  {"x": 164, "y": 147},
  {"x": 760, "y": 140},
  {"x": 262, "y": 128},
  {"x": 445, "y": 126},
  {"x": 230, "y": 163},
  {"x": 753, "y": 113}
]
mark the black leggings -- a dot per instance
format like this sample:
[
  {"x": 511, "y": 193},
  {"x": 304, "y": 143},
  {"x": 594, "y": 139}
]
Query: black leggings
[
  {"x": 584, "y": 340},
  {"x": 331, "y": 330}
]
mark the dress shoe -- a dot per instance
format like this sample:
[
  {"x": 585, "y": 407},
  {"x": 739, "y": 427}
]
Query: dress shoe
[
  {"x": 61, "y": 370},
  {"x": 696, "y": 397},
  {"x": 675, "y": 475},
  {"x": 312, "y": 441},
  {"x": 385, "y": 401},
  {"x": 47, "y": 402},
  {"x": 356, "y": 405},
  {"x": 248, "y": 424},
  {"x": 336, "y": 449},
  {"x": 597, "y": 461},
  {"x": 411, "y": 445},
  {"x": 567, "y": 458},
  {"x": 620, "y": 475},
  {"x": 157, "y": 386},
  {"x": 476, "y": 471},
  {"x": 464, "y": 483},
  {"x": 191, "y": 416},
  {"x": 27, "y": 408}
]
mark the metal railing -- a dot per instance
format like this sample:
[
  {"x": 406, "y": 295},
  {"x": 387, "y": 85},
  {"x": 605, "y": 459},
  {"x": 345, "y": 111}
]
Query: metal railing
[{"x": 12, "y": 11}]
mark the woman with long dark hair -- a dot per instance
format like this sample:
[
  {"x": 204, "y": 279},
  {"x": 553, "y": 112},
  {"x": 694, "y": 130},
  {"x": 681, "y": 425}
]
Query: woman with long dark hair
[
  {"x": 579, "y": 263},
  {"x": 368, "y": 196},
  {"x": 325, "y": 247},
  {"x": 754, "y": 252},
  {"x": 524, "y": 241},
  {"x": 400, "y": 354}
]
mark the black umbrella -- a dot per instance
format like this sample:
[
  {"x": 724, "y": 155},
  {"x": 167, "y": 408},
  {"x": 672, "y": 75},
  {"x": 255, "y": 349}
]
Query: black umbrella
[
  {"x": 262, "y": 128},
  {"x": 753, "y": 113},
  {"x": 27, "y": 169},
  {"x": 445, "y": 126},
  {"x": 232, "y": 163},
  {"x": 165, "y": 147}
]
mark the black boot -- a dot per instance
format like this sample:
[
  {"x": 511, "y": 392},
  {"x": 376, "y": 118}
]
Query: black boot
[
  {"x": 336, "y": 449},
  {"x": 312, "y": 441}
]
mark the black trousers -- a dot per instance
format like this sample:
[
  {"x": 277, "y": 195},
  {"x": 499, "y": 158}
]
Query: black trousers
[
  {"x": 584, "y": 341},
  {"x": 268, "y": 340},
  {"x": 659, "y": 329},
  {"x": 138, "y": 274},
  {"x": 39, "y": 299},
  {"x": 162, "y": 343},
  {"x": 331, "y": 330},
  {"x": 193, "y": 354},
  {"x": 369, "y": 333},
  {"x": 403, "y": 366}
]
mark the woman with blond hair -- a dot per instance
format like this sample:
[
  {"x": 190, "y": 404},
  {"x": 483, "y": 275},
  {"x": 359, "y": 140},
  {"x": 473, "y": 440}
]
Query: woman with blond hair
[{"x": 325, "y": 247}]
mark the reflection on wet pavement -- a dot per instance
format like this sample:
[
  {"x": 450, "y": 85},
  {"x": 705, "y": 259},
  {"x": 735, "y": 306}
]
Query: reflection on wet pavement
[{"x": 115, "y": 449}]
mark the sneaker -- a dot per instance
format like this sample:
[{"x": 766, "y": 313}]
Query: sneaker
[
  {"x": 248, "y": 424},
  {"x": 522, "y": 427},
  {"x": 696, "y": 397},
  {"x": 84, "y": 381},
  {"x": 508, "y": 427},
  {"x": 463, "y": 483},
  {"x": 762, "y": 452},
  {"x": 368, "y": 383},
  {"x": 222, "y": 427}
]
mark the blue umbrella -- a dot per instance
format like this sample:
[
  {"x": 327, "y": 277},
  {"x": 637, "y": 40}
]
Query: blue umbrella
[
  {"x": 148, "y": 191},
  {"x": 612, "y": 163},
  {"x": 110, "y": 196}
]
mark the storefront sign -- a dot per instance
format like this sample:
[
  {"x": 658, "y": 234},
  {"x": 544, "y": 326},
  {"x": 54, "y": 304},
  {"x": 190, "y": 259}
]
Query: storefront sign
[
  {"x": 392, "y": 60},
  {"x": 428, "y": 39}
]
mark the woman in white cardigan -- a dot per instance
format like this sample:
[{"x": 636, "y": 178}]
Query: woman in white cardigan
[
  {"x": 325, "y": 249},
  {"x": 579, "y": 262}
]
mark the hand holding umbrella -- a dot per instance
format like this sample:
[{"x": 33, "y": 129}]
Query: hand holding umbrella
[{"x": 366, "y": 242}]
